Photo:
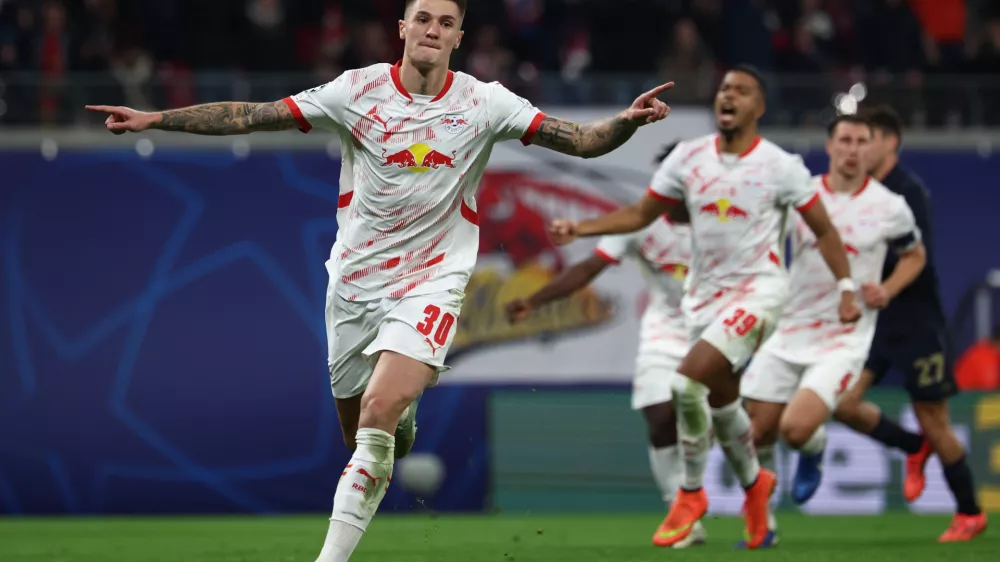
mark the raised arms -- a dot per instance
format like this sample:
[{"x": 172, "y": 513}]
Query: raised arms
[{"x": 222, "y": 118}]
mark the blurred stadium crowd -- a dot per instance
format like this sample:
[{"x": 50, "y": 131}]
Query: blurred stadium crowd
[{"x": 937, "y": 60}]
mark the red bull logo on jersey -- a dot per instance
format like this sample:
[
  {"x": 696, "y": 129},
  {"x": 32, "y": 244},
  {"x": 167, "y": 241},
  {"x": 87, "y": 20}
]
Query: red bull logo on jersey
[
  {"x": 418, "y": 158},
  {"x": 723, "y": 210},
  {"x": 676, "y": 270}
]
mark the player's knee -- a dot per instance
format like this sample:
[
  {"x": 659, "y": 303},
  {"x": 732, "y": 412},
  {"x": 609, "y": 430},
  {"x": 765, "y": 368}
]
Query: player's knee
[
  {"x": 848, "y": 412},
  {"x": 931, "y": 415},
  {"x": 663, "y": 433},
  {"x": 382, "y": 409},
  {"x": 796, "y": 435},
  {"x": 661, "y": 422},
  {"x": 688, "y": 392},
  {"x": 764, "y": 436}
]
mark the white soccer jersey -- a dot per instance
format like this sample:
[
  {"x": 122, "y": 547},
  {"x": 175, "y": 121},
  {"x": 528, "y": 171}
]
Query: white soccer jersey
[
  {"x": 869, "y": 221},
  {"x": 738, "y": 205},
  {"x": 411, "y": 165},
  {"x": 662, "y": 251}
]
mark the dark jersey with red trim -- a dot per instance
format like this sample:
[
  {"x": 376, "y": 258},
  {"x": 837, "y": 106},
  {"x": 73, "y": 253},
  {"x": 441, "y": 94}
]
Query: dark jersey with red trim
[
  {"x": 411, "y": 166},
  {"x": 918, "y": 305}
]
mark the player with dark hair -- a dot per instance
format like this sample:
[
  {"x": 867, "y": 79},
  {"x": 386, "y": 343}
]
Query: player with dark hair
[
  {"x": 736, "y": 188},
  {"x": 415, "y": 139},
  {"x": 800, "y": 375},
  {"x": 662, "y": 252},
  {"x": 912, "y": 335}
]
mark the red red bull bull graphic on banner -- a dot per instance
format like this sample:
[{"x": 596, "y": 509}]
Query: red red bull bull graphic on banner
[
  {"x": 418, "y": 158},
  {"x": 515, "y": 209}
]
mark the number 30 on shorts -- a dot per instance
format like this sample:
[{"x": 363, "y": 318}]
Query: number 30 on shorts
[
  {"x": 741, "y": 322},
  {"x": 426, "y": 327}
]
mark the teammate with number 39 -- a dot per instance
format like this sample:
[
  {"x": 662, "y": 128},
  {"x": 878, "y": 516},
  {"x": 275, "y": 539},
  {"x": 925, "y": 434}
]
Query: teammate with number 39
[
  {"x": 736, "y": 189},
  {"x": 415, "y": 139}
]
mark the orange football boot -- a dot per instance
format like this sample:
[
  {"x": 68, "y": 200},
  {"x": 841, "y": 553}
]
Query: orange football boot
[
  {"x": 755, "y": 508},
  {"x": 688, "y": 509},
  {"x": 915, "y": 481},
  {"x": 964, "y": 528}
]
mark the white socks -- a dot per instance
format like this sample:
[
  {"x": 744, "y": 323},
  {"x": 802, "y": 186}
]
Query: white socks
[
  {"x": 816, "y": 443},
  {"x": 668, "y": 470},
  {"x": 732, "y": 426},
  {"x": 359, "y": 492},
  {"x": 694, "y": 428}
]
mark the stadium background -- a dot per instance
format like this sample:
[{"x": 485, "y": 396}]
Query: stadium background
[{"x": 162, "y": 345}]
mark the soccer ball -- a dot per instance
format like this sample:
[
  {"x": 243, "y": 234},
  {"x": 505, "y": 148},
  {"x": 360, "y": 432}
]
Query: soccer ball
[{"x": 420, "y": 474}]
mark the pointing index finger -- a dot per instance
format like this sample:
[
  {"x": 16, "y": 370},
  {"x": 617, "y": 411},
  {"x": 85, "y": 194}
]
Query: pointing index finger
[
  {"x": 102, "y": 108},
  {"x": 659, "y": 90}
]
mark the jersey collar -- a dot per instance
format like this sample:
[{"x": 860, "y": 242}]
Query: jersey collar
[
  {"x": 826, "y": 185},
  {"x": 394, "y": 72},
  {"x": 753, "y": 145}
]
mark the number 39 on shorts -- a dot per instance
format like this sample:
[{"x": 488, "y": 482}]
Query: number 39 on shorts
[
  {"x": 434, "y": 319},
  {"x": 741, "y": 322}
]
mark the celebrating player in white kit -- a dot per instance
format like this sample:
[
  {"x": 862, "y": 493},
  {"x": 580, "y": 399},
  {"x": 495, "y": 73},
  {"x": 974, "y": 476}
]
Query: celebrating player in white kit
[
  {"x": 662, "y": 252},
  {"x": 797, "y": 378},
  {"x": 737, "y": 189},
  {"x": 415, "y": 139}
]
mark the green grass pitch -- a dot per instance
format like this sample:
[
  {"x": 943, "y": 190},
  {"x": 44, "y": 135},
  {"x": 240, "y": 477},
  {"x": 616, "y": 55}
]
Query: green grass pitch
[{"x": 474, "y": 538}]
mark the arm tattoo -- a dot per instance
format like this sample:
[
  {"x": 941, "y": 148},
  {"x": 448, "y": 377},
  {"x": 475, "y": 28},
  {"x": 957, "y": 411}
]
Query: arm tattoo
[
  {"x": 588, "y": 141},
  {"x": 228, "y": 118}
]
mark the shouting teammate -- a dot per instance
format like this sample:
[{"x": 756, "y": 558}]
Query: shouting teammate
[
  {"x": 799, "y": 376},
  {"x": 662, "y": 251},
  {"x": 736, "y": 188},
  {"x": 912, "y": 335},
  {"x": 415, "y": 139}
]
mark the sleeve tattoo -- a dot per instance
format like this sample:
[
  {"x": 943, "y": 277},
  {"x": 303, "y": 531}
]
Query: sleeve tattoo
[
  {"x": 228, "y": 118},
  {"x": 588, "y": 141}
]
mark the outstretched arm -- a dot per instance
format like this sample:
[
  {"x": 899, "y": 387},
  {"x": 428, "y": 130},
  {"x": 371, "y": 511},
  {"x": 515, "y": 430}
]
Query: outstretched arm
[
  {"x": 589, "y": 140},
  {"x": 624, "y": 220},
  {"x": 222, "y": 118},
  {"x": 569, "y": 282},
  {"x": 598, "y": 138}
]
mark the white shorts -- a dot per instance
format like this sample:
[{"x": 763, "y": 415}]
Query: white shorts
[
  {"x": 773, "y": 379},
  {"x": 739, "y": 329},
  {"x": 421, "y": 327},
  {"x": 653, "y": 378}
]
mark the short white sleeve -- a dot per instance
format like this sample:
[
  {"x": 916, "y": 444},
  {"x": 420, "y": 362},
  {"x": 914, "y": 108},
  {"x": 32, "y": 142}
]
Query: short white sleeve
[
  {"x": 667, "y": 182},
  {"x": 322, "y": 106},
  {"x": 797, "y": 188},
  {"x": 901, "y": 227},
  {"x": 511, "y": 116},
  {"x": 615, "y": 248}
]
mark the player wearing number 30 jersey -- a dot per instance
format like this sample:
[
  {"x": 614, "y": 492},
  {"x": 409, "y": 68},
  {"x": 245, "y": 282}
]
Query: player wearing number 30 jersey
[
  {"x": 736, "y": 189},
  {"x": 415, "y": 139}
]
